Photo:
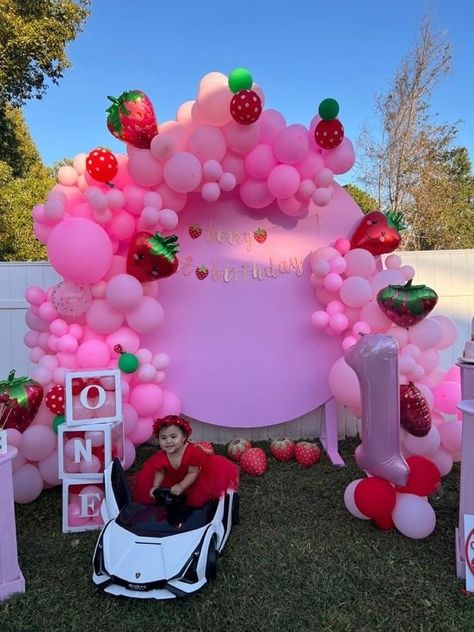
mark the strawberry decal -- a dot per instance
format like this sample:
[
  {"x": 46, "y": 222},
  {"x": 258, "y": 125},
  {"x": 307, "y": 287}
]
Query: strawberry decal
[
  {"x": 406, "y": 305},
  {"x": 195, "y": 231},
  {"x": 283, "y": 449},
  {"x": 260, "y": 235},
  {"x": 307, "y": 453},
  {"x": 237, "y": 447},
  {"x": 20, "y": 399},
  {"x": 378, "y": 232},
  {"x": 254, "y": 462},
  {"x": 131, "y": 118},
  {"x": 202, "y": 272},
  {"x": 102, "y": 165},
  {"x": 55, "y": 399},
  {"x": 152, "y": 257},
  {"x": 245, "y": 107}
]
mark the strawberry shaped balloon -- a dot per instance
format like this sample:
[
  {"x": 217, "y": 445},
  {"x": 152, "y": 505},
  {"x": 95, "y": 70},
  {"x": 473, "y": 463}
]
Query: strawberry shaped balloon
[
  {"x": 20, "y": 398},
  {"x": 406, "y": 305},
  {"x": 329, "y": 134},
  {"x": 237, "y": 447},
  {"x": 254, "y": 462},
  {"x": 152, "y": 257},
  {"x": 415, "y": 414},
  {"x": 245, "y": 107},
  {"x": 307, "y": 453},
  {"x": 102, "y": 165},
  {"x": 206, "y": 446},
  {"x": 131, "y": 118},
  {"x": 56, "y": 400},
  {"x": 378, "y": 232},
  {"x": 283, "y": 449}
]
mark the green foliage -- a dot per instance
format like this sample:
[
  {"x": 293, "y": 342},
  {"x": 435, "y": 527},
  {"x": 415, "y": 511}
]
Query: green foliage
[
  {"x": 366, "y": 202},
  {"x": 18, "y": 196},
  {"x": 17, "y": 148},
  {"x": 34, "y": 35}
]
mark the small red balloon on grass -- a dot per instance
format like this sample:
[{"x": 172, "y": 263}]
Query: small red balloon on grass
[{"x": 375, "y": 497}]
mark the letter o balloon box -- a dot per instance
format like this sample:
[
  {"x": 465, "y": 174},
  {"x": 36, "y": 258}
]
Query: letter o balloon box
[{"x": 90, "y": 439}]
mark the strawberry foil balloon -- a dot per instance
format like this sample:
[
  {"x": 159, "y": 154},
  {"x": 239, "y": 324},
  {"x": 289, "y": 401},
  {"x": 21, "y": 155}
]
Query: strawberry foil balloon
[
  {"x": 406, "y": 305},
  {"x": 415, "y": 414},
  {"x": 20, "y": 399},
  {"x": 378, "y": 232},
  {"x": 152, "y": 257},
  {"x": 131, "y": 118}
]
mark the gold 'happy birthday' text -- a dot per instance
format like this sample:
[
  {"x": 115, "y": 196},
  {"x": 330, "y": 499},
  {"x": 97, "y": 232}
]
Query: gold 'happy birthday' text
[{"x": 251, "y": 271}]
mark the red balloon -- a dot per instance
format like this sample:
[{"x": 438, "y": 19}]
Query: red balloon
[
  {"x": 375, "y": 497},
  {"x": 384, "y": 522},
  {"x": 415, "y": 415},
  {"x": 245, "y": 107},
  {"x": 329, "y": 134},
  {"x": 101, "y": 165},
  {"x": 424, "y": 477}
]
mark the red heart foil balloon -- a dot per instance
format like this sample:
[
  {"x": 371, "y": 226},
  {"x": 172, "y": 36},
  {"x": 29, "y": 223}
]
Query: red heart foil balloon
[{"x": 415, "y": 415}]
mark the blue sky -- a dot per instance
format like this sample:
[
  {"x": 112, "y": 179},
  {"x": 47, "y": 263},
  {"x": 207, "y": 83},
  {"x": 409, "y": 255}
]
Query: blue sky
[{"x": 298, "y": 51}]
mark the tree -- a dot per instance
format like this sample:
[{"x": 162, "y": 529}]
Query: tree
[
  {"x": 366, "y": 202},
  {"x": 413, "y": 153},
  {"x": 34, "y": 35}
]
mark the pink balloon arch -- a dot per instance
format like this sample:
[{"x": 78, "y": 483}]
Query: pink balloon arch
[{"x": 88, "y": 226}]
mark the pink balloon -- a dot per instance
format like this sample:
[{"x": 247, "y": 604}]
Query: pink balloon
[
  {"x": 374, "y": 359},
  {"x": 255, "y": 194},
  {"x": 359, "y": 262},
  {"x": 400, "y": 334},
  {"x": 386, "y": 277},
  {"x": 335, "y": 307},
  {"x": 143, "y": 430},
  {"x": 146, "y": 316},
  {"x": 129, "y": 454},
  {"x": 102, "y": 318},
  {"x": 146, "y": 399},
  {"x": 171, "y": 404},
  {"x": 38, "y": 442},
  {"x": 90, "y": 467},
  {"x": 42, "y": 375},
  {"x": 35, "y": 295},
  {"x": 414, "y": 516},
  {"x": 332, "y": 282},
  {"x": 163, "y": 146},
  {"x": 118, "y": 265},
  {"x": 213, "y": 104},
  {"x": 93, "y": 354},
  {"x": 451, "y": 436},
  {"x": 426, "y": 334},
  {"x": 130, "y": 418},
  {"x": 241, "y": 138},
  {"x": 283, "y": 181},
  {"x": 182, "y": 172},
  {"x": 428, "y": 360},
  {"x": 146, "y": 373},
  {"x": 126, "y": 337},
  {"x": 35, "y": 322},
  {"x": 80, "y": 250},
  {"x": 350, "y": 502},
  {"x": 27, "y": 484},
  {"x": 47, "y": 311},
  {"x": 344, "y": 384},
  {"x": 207, "y": 143},
  {"x": 453, "y": 374},
  {"x": 322, "y": 196},
  {"x": 144, "y": 168},
  {"x": 48, "y": 469},
  {"x": 340, "y": 159},
  {"x": 271, "y": 122},
  {"x": 443, "y": 460},
  {"x": 291, "y": 145},
  {"x": 449, "y": 332},
  {"x": 260, "y": 161},
  {"x": 338, "y": 323},
  {"x": 75, "y": 517},
  {"x": 423, "y": 445},
  {"x": 227, "y": 181},
  {"x": 124, "y": 292},
  {"x": 355, "y": 291},
  {"x": 393, "y": 262},
  {"x": 14, "y": 437},
  {"x": 291, "y": 206},
  {"x": 447, "y": 396},
  {"x": 320, "y": 319},
  {"x": 234, "y": 164},
  {"x": 122, "y": 226},
  {"x": 210, "y": 191},
  {"x": 168, "y": 218}
]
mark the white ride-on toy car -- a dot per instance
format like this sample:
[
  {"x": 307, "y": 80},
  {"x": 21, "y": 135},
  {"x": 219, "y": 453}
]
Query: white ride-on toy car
[{"x": 162, "y": 550}]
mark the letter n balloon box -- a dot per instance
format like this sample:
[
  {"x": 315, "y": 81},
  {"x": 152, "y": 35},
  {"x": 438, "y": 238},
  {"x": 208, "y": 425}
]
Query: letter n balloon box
[{"x": 88, "y": 442}]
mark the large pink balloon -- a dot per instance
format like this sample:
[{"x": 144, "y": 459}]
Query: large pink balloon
[
  {"x": 375, "y": 361},
  {"x": 80, "y": 250},
  {"x": 182, "y": 172},
  {"x": 146, "y": 316},
  {"x": 146, "y": 399},
  {"x": 37, "y": 443},
  {"x": 27, "y": 483},
  {"x": 93, "y": 354},
  {"x": 344, "y": 384},
  {"x": 102, "y": 318},
  {"x": 123, "y": 292}
]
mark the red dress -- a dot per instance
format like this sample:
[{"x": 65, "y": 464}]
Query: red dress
[{"x": 216, "y": 475}]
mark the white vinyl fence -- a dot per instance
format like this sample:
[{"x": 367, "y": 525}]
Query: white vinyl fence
[{"x": 449, "y": 272}]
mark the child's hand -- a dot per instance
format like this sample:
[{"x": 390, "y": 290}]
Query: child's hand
[
  {"x": 176, "y": 490},
  {"x": 151, "y": 492}
]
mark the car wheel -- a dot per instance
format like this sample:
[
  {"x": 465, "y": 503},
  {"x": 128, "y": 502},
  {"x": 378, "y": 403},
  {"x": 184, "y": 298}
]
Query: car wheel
[
  {"x": 211, "y": 563},
  {"x": 235, "y": 509}
]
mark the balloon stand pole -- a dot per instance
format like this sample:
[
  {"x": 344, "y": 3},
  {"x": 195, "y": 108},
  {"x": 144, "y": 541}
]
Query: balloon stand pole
[
  {"x": 466, "y": 487},
  {"x": 11, "y": 578},
  {"x": 328, "y": 434}
]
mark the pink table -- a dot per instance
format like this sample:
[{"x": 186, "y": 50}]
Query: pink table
[{"x": 11, "y": 579}]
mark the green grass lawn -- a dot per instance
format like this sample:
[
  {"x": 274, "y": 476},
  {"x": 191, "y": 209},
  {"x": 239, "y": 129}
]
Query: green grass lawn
[{"x": 297, "y": 561}]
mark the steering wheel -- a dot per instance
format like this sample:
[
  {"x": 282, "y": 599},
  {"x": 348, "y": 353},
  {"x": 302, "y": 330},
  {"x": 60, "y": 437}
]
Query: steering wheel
[{"x": 164, "y": 496}]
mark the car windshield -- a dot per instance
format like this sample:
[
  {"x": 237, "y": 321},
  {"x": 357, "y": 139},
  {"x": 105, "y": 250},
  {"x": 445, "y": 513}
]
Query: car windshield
[{"x": 160, "y": 521}]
